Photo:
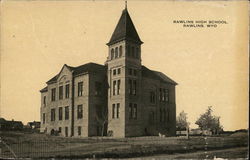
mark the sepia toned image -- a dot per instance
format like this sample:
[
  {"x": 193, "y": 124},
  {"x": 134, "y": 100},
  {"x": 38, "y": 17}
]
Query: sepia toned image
[{"x": 124, "y": 79}]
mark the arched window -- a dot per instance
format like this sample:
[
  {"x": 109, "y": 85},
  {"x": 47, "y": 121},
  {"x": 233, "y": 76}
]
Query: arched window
[
  {"x": 133, "y": 52},
  {"x": 120, "y": 51},
  {"x": 128, "y": 50},
  {"x": 112, "y": 53},
  {"x": 137, "y": 53},
  {"x": 116, "y": 52}
]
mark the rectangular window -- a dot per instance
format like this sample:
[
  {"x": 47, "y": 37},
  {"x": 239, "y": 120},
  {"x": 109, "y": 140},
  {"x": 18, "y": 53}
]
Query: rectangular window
[
  {"x": 160, "y": 115},
  {"x": 130, "y": 71},
  {"x": 134, "y": 87},
  {"x": 79, "y": 111},
  {"x": 61, "y": 92},
  {"x": 167, "y": 95},
  {"x": 160, "y": 94},
  {"x": 152, "y": 97},
  {"x": 66, "y": 112},
  {"x": 67, "y": 91},
  {"x": 135, "y": 72},
  {"x": 135, "y": 111},
  {"x": 60, "y": 113},
  {"x": 113, "y": 111},
  {"x": 44, "y": 118},
  {"x": 114, "y": 87},
  {"x": 44, "y": 101},
  {"x": 60, "y": 129},
  {"x": 130, "y": 110},
  {"x": 80, "y": 88},
  {"x": 53, "y": 114},
  {"x": 66, "y": 131},
  {"x": 130, "y": 86},
  {"x": 117, "y": 110},
  {"x": 53, "y": 94},
  {"x": 168, "y": 117},
  {"x": 114, "y": 72},
  {"x": 119, "y": 71},
  {"x": 118, "y": 86},
  {"x": 98, "y": 88},
  {"x": 79, "y": 130}
]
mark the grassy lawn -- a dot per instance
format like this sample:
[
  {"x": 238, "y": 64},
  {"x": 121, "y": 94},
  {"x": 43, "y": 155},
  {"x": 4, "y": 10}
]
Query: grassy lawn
[{"x": 37, "y": 145}]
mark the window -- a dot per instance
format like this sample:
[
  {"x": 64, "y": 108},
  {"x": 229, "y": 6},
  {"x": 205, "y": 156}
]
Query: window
[
  {"x": 130, "y": 86},
  {"x": 113, "y": 111},
  {"x": 130, "y": 71},
  {"x": 53, "y": 114},
  {"x": 119, "y": 71},
  {"x": 135, "y": 111},
  {"x": 130, "y": 110},
  {"x": 80, "y": 88},
  {"x": 66, "y": 112},
  {"x": 79, "y": 111},
  {"x": 133, "y": 52},
  {"x": 160, "y": 115},
  {"x": 114, "y": 87},
  {"x": 134, "y": 87},
  {"x": 118, "y": 86},
  {"x": 137, "y": 53},
  {"x": 160, "y": 94},
  {"x": 79, "y": 130},
  {"x": 66, "y": 131},
  {"x": 164, "y": 115},
  {"x": 60, "y": 129},
  {"x": 44, "y": 118},
  {"x": 116, "y": 52},
  {"x": 61, "y": 92},
  {"x": 44, "y": 101},
  {"x": 114, "y": 72},
  {"x": 128, "y": 51},
  {"x": 152, "y": 97},
  {"x": 120, "y": 51},
  {"x": 167, "y": 95},
  {"x": 135, "y": 72},
  {"x": 98, "y": 88},
  {"x": 60, "y": 113},
  {"x": 112, "y": 53},
  {"x": 117, "y": 110},
  {"x": 67, "y": 91},
  {"x": 168, "y": 116},
  {"x": 53, "y": 94}
]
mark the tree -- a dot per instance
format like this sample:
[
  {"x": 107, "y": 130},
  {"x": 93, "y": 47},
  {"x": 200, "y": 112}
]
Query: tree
[
  {"x": 181, "y": 121},
  {"x": 207, "y": 121},
  {"x": 102, "y": 119}
]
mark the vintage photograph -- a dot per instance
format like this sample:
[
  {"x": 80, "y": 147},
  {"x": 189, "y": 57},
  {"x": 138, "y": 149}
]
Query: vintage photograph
[{"x": 124, "y": 79}]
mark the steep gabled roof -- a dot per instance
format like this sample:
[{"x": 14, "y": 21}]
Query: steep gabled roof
[
  {"x": 45, "y": 89},
  {"x": 156, "y": 75},
  {"x": 89, "y": 67},
  {"x": 125, "y": 30}
]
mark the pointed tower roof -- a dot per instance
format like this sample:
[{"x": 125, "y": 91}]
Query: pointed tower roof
[{"x": 125, "y": 30}]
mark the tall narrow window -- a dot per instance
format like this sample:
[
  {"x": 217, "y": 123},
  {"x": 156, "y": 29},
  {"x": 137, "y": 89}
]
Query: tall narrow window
[
  {"x": 133, "y": 52},
  {"x": 44, "y": 118},
  {"x": 130, "y": 71},
  {"x": 134, "y": 87},
  {"x": 164, "y": 115},
  {"x": 119, "y": 71},
  {"x": 79, "y": 130},
  {"x": 53, "y": 114},
  {"x": 80, "y": 88},
  {"x": 117, "y": 110},
  {"x": 98, "y": 88},
  {"x": 79, "y": 111},
  {"x": 120, "y": 51},
  {"x": 53, "y": 94},
  {"x": 135, "y": 72},
  {"x": 168, "y": 116},
  {"x": 135, "y": 111},
  {"x": 114, "y": 87},
  {"x": 112, "y": 53},
  {"x": 113, "y": 111},
  {"x": 152, "y": 97},
  {"x": 160, "y": 115},
  {"x": 66, "y": 131},
  {"x": 128, "y": 51},
  {"x": 160, "y": 94},
  {"x": 114, "y": 72},
  {"x": 130, "y": 110},
  {"x": 167, "y": 95},
  {"x": 130, "y": 86},
  {"x": 61, "y": 92},
  {"x": 60, "y": 129},
  {"x": 137, "y": 53},
  {"x": 116, "y": 52},
  {"x": 44, "y": 101},
  {"x": 66, "y": 112},
  {"x": 60, "y": 113},
  {"x": 118, "y": 86},
  {"x": 67, "y": 91}
]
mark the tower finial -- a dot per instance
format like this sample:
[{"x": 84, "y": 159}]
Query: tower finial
[{"x": 125, "y": 4}]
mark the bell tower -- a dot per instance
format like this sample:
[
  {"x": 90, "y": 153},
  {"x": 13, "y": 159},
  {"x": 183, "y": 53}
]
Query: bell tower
[{"x": 124, "y": 77}]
